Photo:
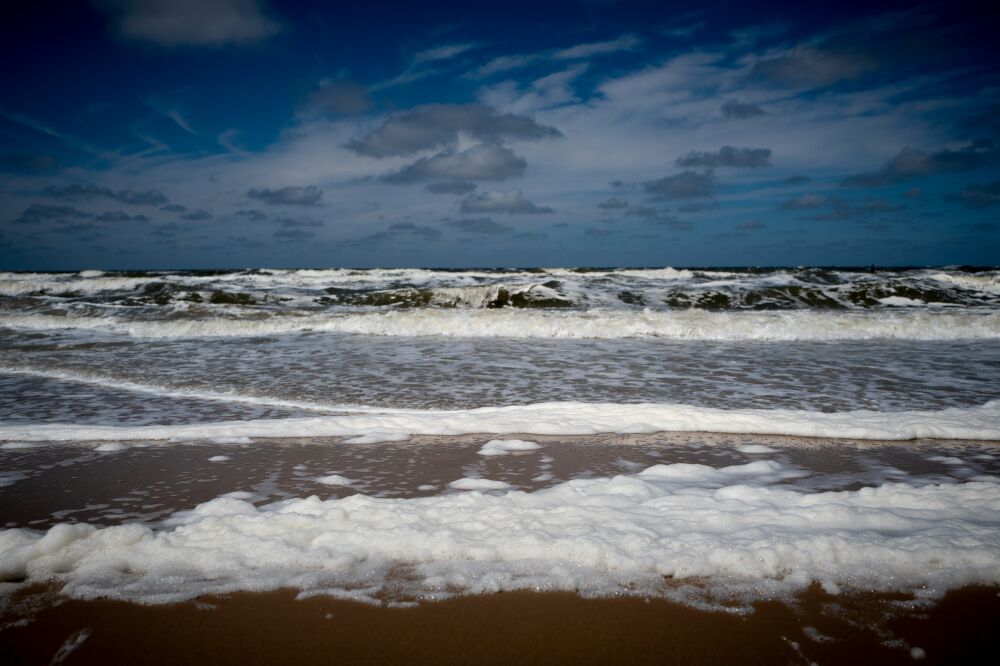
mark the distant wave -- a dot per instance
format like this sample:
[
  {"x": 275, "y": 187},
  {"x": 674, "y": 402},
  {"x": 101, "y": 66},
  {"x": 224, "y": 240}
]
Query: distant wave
[{"x": 658, "y": 289}]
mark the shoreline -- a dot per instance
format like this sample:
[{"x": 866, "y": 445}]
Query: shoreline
[{"x": 149, "y": 485}]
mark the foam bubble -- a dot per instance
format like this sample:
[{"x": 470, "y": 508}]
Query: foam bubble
[
  {"x": 756, "y": 448},
  {"x": 111, "y": 447},
  {"x": 231, "y": 440},
  {"x": 334, "y": 480},
  {"x": 501, "y": 447},
  {"x": 468, "y": 483}
]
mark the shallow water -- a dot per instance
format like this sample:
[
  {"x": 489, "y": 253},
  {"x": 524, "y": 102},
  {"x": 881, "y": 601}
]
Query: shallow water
[{"x": 327, "y": 430}]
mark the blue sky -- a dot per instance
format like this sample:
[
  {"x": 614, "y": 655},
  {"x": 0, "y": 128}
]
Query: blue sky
[{"x": 229, "y": 133}]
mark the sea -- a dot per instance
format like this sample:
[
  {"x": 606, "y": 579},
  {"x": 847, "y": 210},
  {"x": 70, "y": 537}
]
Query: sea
[{"x": 711, "y": 436}]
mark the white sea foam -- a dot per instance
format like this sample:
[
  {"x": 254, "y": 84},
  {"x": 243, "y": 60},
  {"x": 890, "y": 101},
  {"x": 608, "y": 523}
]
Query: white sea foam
[
  {"x": 20, "y": 284},
  {"x": 10, "y": 478},
  {"x": 111, "y": 447},
  {"x": 501, "y": 447},
  {"x": 231, "y": 440},
  {"x": 334, "y": 480},
  {"x": 469, "y": 483},
  {"x": 756, "y": 448},
  {"x": 988, "y": 282},
  {"x": 671, "y": 527},
  {"x": 556, "y": 418},
  {"x": 907, "y": 324},
  {"x": 167, "y": 392}
]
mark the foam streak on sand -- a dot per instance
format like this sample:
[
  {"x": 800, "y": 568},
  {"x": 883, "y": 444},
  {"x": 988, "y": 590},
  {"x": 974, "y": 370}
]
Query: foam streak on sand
[
  {"x": 557, "y": 418},
  {"x": 654, "y": 532}
]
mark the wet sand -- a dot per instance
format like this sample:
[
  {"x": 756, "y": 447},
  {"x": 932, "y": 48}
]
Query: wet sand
[
  {"x": 518, "y": 627},
  {"x": 146, "y": 483}
]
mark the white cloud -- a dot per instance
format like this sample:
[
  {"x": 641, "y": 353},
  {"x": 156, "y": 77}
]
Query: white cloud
[
  {"x": 511, "y": 202},
  {"x": 581, "y": 51},
  {"x": 443, "y": 52},
  {"x": 549, "y": 91}
]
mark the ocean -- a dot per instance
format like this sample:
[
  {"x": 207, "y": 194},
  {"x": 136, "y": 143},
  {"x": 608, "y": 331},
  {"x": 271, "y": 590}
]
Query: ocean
[{"x": 717, "y": 438}]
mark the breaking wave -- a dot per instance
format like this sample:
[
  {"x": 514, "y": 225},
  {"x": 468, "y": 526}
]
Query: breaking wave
[
  {"x": 513, "y": 323},
  {"x": 373, "y": 424}
]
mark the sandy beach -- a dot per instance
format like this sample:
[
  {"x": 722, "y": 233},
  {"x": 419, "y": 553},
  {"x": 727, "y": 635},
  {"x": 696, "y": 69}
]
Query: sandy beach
[
  {"x": 147, "y": 482},
  {"x": 522, "y": 627}
]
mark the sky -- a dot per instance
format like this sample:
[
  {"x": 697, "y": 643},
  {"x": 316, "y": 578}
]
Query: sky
[{"x": 144, "y": 134}]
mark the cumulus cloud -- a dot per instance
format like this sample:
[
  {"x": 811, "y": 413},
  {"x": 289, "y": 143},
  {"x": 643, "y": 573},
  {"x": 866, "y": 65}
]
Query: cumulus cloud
[
  {"x": 192, "y": 22},
  {"x": 727, "y": 156},
  {"x": 438, "y": 125},
  {"x": 479, "y": 225},
  {"x": 133, "y": 197},
  {"x": 344, "y": 98},
  {"x": 737, "y": 110},
  {"x": 910, "y": 163},
  {"x": 613, "y": 203},
  {"x": 451, "y": 187},
  {"x": 978, "y": 196},
  {"x": 287, "y": 196},
  {"x": 482, "y": 162},
  {"x": 511, "y": 202},
  {"x": 683, "y": 185},
  {"x": 197, "y": 215},
  {"x": 174, "y": 208}
]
